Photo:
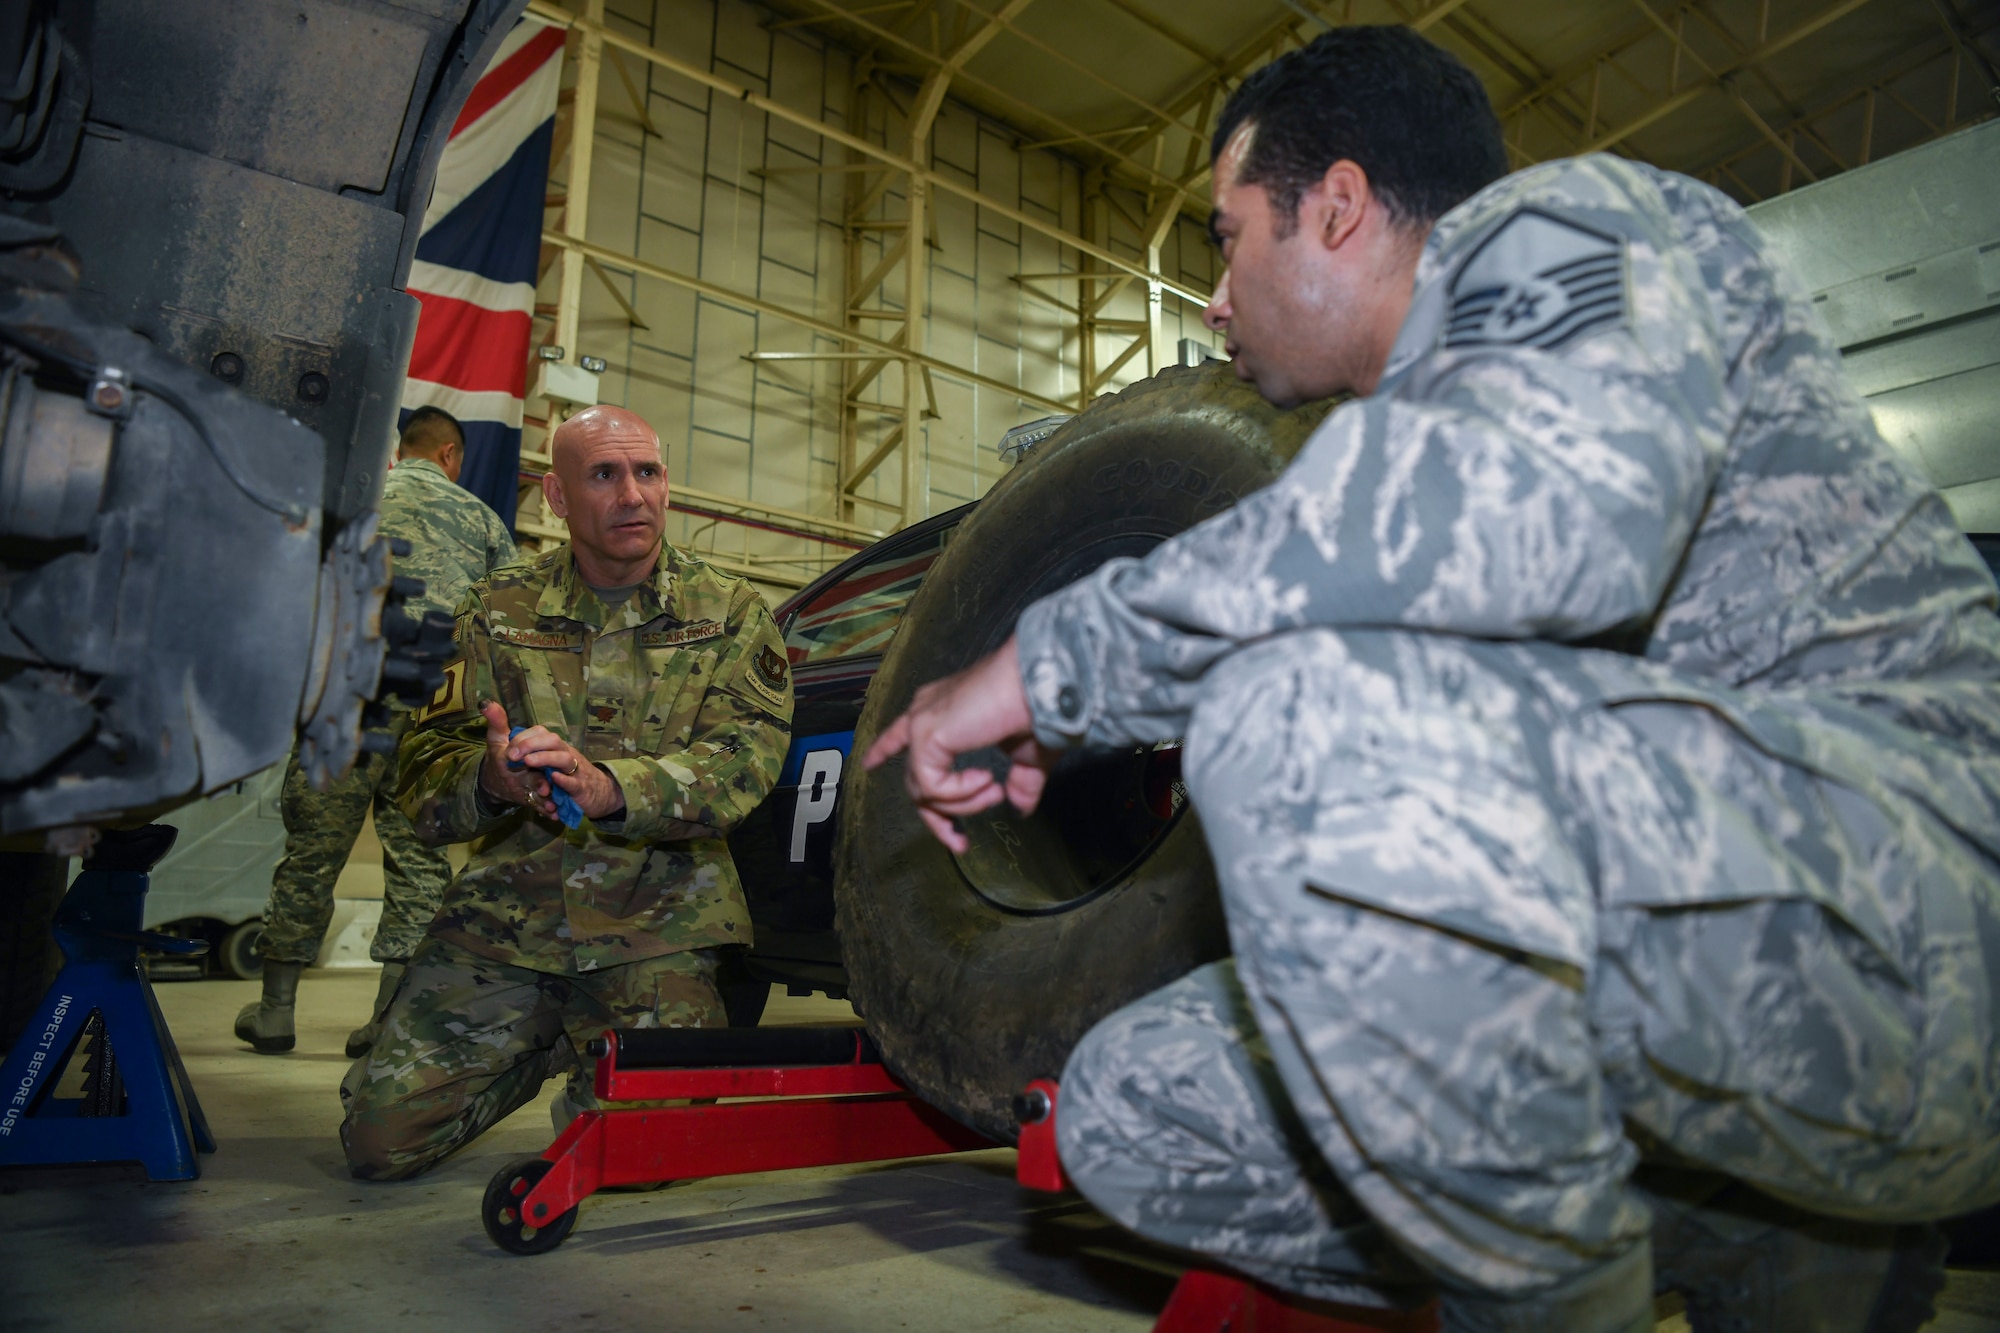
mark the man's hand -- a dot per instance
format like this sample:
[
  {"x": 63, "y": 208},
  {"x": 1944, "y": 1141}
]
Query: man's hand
[
  {"x": 595, "y": 791},
  {"x": 982, "y": 705}
]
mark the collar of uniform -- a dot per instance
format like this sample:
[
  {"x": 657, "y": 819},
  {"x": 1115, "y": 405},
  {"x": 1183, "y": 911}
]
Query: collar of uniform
[
  {"x": 421, "y": 465},
  {"x": 1430, "y": 301},
  {"x": 568, "y": 597}
]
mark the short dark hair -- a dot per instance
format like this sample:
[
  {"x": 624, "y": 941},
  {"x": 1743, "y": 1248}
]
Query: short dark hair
[
  {"x": 425, "y": 430},
  {"x": 1401, "y": 108}
]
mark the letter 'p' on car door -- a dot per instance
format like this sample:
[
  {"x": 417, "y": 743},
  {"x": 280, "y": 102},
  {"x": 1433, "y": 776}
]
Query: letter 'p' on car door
[{"x": 835, "y": 632}]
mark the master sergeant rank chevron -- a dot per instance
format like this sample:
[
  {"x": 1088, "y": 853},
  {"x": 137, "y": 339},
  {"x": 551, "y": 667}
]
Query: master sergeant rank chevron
[{"x": 1537, "y": 281}]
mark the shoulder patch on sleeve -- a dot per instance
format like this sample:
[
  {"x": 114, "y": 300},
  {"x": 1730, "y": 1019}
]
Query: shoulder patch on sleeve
[
  {"x": 771, "y": 674},
  {"x": 1537, "y": 281},
  {"x": 450, "y": 696}
]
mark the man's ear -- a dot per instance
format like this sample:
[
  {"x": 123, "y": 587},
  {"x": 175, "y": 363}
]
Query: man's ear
[
  {"x": 1338, "y": 202},
  {"x": 552, "y": 494}
]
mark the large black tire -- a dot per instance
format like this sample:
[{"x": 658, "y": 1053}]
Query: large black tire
[{"x": 978, "y": 973}]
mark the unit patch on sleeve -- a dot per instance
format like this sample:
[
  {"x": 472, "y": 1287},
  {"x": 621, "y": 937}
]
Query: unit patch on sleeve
[
  {"x": 1538, "y": 281},
  {"x": 450, "y": 696},
  {"x": 771, "y": 674}
]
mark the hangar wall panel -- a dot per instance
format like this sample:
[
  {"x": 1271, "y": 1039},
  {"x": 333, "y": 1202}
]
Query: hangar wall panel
[
  {"x": 1902, "y": 258},
  {"x": 750, "y": 202}
]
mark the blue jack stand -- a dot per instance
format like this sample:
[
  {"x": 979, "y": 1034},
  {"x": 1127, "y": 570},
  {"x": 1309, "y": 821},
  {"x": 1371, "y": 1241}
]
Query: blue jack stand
[{"x": 137, "y": 1104}]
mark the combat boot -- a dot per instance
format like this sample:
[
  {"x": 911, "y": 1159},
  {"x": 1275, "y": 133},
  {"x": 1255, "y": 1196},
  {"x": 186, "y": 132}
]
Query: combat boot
[
  {"x": 1745, "y": 1262},
  {"x": 362, "y": 1039},
  {"x": 267, "y": 1024}
]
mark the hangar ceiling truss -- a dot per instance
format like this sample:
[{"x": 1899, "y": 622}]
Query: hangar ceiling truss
[{"x": 1754, "y": 96}]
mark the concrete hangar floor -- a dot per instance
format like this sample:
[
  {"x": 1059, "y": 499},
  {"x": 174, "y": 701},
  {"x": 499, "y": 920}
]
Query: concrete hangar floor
[{"x": 276, "y": 1236}]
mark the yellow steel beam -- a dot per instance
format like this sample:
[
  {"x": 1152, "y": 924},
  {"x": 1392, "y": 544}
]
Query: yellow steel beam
[
  {"x": 1436, "y": 14},
  {"x": 631, "y": 314},
  {"x": 874, "y": 460},
  {"x": 883, "y": 268},
  {"x": 612, "y": 258},
  {"x": 1885, "y": 73},
  {"x": 1659, "y": 111},
  {"x": 1116, "y": 89},
  {"x": 576, "y": 188},
  {"x": 1562, "y": 78},
  {"x": 638, "y": 98},
  {"x": 933, "y": 59},
  {"x": 1103, "y": 377},
  {"x": 1171, "y": 33},
  {"x": 813, "y": 19},
  {"x": 548, "y": 11}
]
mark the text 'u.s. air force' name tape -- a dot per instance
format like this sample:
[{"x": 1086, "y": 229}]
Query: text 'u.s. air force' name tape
[
  {"x": 1537, "y": 281},
  {"x": 692, "y": 632}
]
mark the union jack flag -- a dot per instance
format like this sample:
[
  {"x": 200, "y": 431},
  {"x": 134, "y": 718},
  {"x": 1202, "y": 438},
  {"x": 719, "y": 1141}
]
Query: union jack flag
[{"x": 475, "y": 266}]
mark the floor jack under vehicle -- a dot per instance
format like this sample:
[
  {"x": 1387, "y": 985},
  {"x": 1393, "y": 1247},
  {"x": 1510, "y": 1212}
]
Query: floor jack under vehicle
[
  {"x": 824, "y": 1099},
  {"x": 136, "y": 1103}
]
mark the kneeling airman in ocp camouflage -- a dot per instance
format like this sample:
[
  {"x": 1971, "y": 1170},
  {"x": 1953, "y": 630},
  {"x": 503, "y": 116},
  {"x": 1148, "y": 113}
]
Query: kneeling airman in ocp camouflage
[{"x": 653, "y": 692}]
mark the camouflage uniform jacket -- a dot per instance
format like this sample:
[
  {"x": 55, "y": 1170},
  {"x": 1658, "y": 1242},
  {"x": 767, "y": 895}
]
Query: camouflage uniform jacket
[
  {"x": 1610, "y": 419},
  {"x": 455, "y": 537},
  {"x": 682, "y": 693}
]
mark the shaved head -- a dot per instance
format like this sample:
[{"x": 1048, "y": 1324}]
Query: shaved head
[
  {"x": 609, "y": 484},
  {"x": 606, "y": 421}
]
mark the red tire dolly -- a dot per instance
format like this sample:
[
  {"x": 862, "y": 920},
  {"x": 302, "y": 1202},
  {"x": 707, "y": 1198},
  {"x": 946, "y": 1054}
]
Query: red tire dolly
[{"x": 825, "y": 1100}]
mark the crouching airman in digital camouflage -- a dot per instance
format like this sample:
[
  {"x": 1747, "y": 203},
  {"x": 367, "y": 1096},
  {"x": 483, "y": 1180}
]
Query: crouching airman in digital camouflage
[
  {"x": 655, "y": 692},
  {"x": 1597, "y": 731},
  {"x": 454, "y": 538}
]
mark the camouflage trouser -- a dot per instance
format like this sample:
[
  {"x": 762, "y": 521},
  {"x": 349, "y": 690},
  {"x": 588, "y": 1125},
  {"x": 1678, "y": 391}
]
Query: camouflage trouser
[
  {"x": 467, "y": 1041},
  {"x": 1492, "y": 906},
  {"x": 320, "y": 829},
  {"x": 1173, "y": 1121}
]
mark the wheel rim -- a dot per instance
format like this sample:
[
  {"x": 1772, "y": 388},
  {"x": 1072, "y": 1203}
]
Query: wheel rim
[
  {"x": 1101, "y": 815},
  {"x": 1100, "y": 818},
  {"x": 505, "y": 1219},
  {"x": 252, "y": 947},
  {"x": 519, "y": 1189}
]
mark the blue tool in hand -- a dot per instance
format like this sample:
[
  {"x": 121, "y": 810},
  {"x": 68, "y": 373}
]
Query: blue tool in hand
[{"x": 567, "y": 810}]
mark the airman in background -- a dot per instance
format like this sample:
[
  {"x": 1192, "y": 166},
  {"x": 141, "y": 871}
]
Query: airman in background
[{"x": 454, "y": 538}]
